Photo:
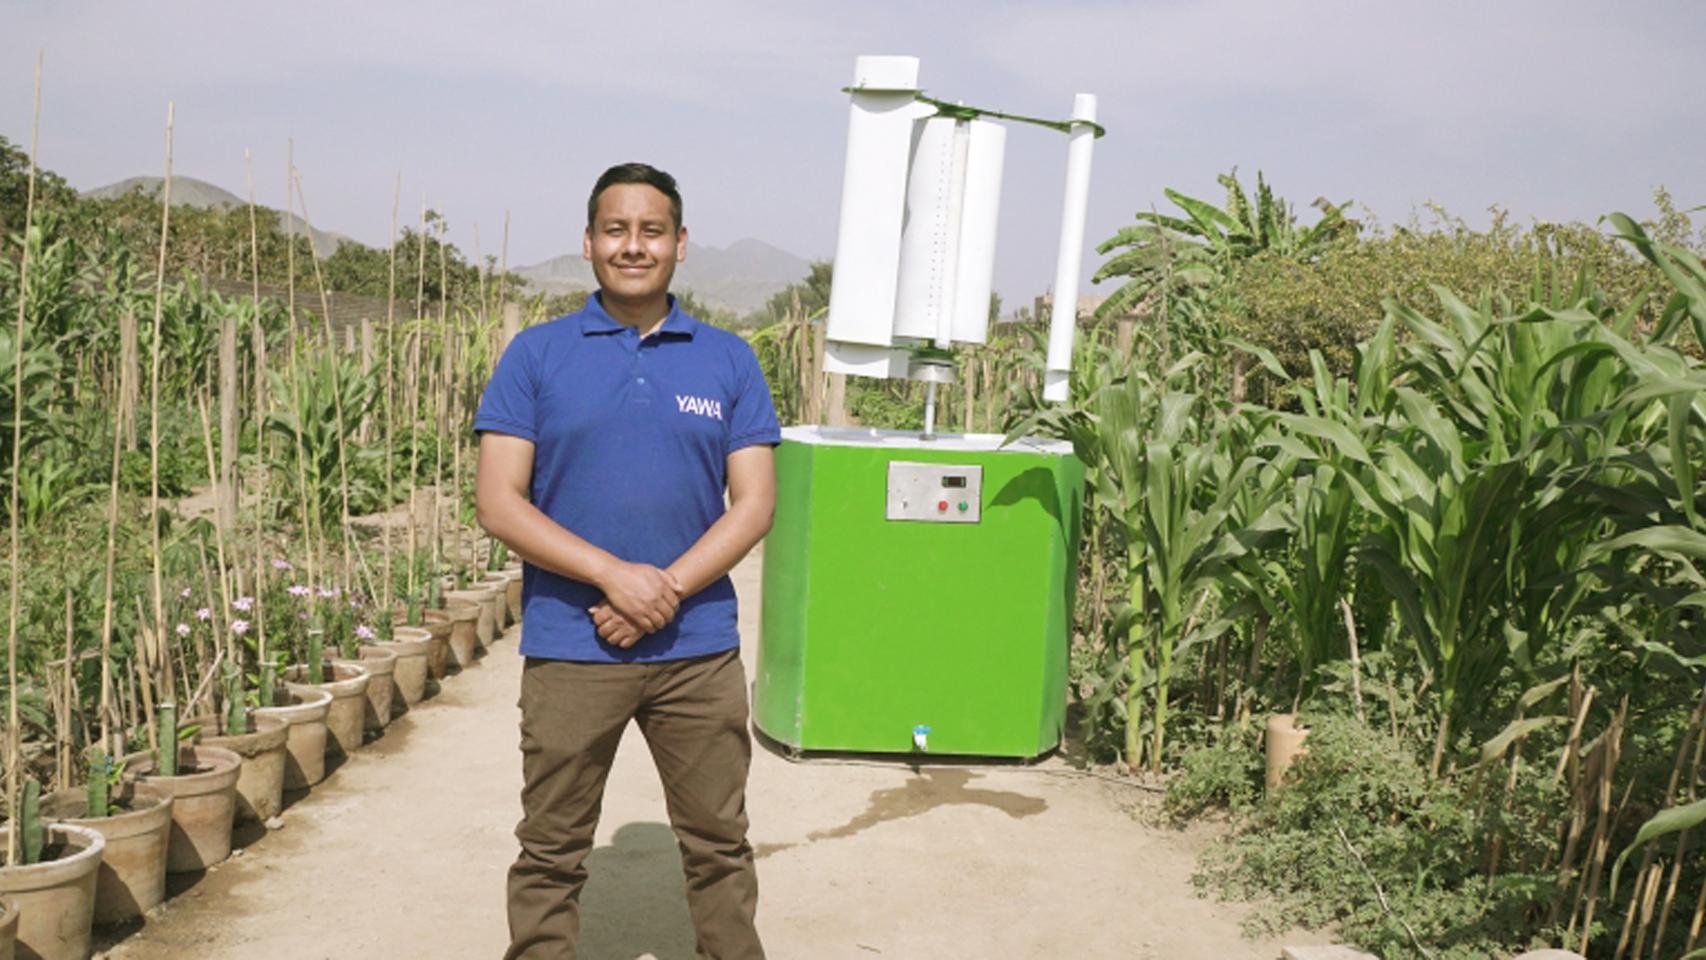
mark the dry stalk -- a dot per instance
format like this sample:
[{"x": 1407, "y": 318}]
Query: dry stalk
[
  {"x": 1603, "y": 825},
  {"x": 1647, "y": 907},
  {"x": 1570, "y": 760},
  {"x": 1356, "y": 660},
  {"x": 1681, "y": 842},
  {"x": 1381, "y": 894}
]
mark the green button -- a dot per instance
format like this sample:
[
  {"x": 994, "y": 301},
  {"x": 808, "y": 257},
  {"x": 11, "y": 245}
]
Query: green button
[{"x": 963, "y": 507}]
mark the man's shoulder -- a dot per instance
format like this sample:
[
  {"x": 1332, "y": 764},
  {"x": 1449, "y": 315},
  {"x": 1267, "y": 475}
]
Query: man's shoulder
[{"x": 548, "y": 338}]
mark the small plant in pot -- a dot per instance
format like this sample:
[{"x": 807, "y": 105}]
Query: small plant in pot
[
  {"x": 50, "y": 876},
  {"x": 136, "y": 821},
  {"x": 203, "y": 783}
]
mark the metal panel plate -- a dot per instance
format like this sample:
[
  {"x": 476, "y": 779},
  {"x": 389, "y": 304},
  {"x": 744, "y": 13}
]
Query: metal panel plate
[{"x": 935, "y": 492}]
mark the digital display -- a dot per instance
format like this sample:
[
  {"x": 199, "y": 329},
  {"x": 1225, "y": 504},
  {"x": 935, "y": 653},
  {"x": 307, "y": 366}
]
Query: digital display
[{"x": 954, "y": 483}]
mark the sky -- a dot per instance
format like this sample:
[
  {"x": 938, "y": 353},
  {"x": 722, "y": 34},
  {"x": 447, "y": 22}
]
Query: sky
[{"x": 1552, "y": 109}]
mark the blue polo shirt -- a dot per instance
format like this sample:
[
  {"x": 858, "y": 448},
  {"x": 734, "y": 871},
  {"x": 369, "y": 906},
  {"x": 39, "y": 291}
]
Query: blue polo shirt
[{"x": 631, "y": 438}]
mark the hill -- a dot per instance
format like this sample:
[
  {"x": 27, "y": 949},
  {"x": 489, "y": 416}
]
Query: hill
[{"x": 190, "y": 192}]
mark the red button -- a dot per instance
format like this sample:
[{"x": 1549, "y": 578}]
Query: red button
[{"x": 941, "y": 506}]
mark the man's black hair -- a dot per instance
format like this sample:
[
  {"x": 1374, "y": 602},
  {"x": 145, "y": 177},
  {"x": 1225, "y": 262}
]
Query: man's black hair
[{"x": 635, "y": 173}]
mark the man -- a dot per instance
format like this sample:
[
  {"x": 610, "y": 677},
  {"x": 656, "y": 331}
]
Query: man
[{"x": 608, "y": 438}]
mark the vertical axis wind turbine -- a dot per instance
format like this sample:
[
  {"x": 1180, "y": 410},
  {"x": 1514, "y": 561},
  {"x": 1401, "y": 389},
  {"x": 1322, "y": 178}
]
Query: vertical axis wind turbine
[{"x": 915, "y": 251}]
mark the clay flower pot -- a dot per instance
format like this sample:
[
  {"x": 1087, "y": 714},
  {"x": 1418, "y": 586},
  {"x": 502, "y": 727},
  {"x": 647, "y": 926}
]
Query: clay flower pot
[
  {"x": 204, "y": 803},
  {"x": 132, "y": 878},
  {"x": 55, "y": 899},
  {"x": 8, "y": 928},
  {"x": 260, "y": 787},
  {"x": 381, "y": 664},
  {"x": 441, "y": 626},
  {"x": 346, "y": 718},
  {"x": 304, "y": 709},
  {"x": 438, "y": 625},
  {"x": 413, "y": 647},
  {"x": 1284, "y": 744},
  {"x": 498, "y": 583},
  {"x": 512, "y": 594},
  {"x": 485, "y": 624},
  {"x": 465, "y": 617}
]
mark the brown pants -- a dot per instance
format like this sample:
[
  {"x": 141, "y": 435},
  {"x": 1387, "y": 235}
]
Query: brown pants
[{"x": 693, "y": 714}]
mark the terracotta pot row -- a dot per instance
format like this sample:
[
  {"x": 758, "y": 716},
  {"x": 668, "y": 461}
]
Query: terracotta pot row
[{"x": 106, "y": 870}]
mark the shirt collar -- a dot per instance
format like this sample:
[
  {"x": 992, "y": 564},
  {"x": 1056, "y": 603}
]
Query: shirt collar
[{"x": 594, "y": 319}]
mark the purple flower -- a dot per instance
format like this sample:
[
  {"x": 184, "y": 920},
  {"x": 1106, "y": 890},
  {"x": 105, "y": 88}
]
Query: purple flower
[
  {"x": 301, "y": 614},
  {"x": 244, "y": 604},
  {"x": 297, "y": 590},
  {"x": 204, "y": 613},
  {"x": 364, "y": 632},
  {"x": 326, "y": 593},
  {"x": 281, "y": 565},
  {"x": 184, "y": 594},
  {"x": 182, "y": 629},
  {"x": 239, "y": 627}
]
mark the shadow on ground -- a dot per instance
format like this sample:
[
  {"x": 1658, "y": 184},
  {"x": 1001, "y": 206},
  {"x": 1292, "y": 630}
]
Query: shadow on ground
[{"x": 635, "y": 901}]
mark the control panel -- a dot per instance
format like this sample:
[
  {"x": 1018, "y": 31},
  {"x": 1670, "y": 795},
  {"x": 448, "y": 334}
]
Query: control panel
[{"x": 935, "y": 492}]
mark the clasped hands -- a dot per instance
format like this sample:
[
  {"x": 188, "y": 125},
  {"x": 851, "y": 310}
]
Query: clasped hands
[{"x": 639, "y": 599}]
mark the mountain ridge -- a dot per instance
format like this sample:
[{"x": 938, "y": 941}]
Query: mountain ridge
[
  {"x": 190, "y": 192},
  {"x": 742, "y": 276}
]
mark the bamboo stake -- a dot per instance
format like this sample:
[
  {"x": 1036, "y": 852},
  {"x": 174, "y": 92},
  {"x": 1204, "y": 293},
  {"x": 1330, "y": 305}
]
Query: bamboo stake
[
  {"x": 389, "y": 439},
  {"x": 443, "y": 401},
  {"x": 503, "y": 287},
  {"x": 14, "y": 747},
  {"x": 227, "y": 480},
  {"x": 337, "y": 398},
  {"x": 219, "y": 546},
  {"x": 259, "y": 345},
  {"x": 148, "y": 649},
  {"x": 66, "y": 695},
  {"x": 166, "y": 678},
  {"x": 309, "y": 518},
  {"x": 414, "y": 393}
]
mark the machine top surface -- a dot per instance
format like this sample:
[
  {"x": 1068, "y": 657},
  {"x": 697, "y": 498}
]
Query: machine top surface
[{"x": 913, "y": 440}]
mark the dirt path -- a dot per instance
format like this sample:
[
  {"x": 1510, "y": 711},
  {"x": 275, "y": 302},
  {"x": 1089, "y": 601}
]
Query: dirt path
[{"x": 402, "y": 853}]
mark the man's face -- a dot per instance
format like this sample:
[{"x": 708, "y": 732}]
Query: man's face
[{"x": 633, "y": 243}]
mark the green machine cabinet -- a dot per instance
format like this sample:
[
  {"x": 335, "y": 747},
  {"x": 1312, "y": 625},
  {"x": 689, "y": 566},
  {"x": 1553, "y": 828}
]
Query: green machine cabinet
[{"x": 918, "y": 593}]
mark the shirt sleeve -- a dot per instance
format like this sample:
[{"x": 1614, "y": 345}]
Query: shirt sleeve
[
  {"x": 510, "y": 402},
  {"x": 753, "y": 420}
]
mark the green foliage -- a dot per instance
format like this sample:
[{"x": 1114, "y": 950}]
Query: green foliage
[
  {"x": 1332, "y": 302},
  {"x": 1226, "y": 773},
  {"x": 236, "y": 704},
  {"x": 32, "y": 832},
  {"x": 1358, "y": 816},
  {"x": 167, "y": 756},
  {"x": 104, "y": 775},
  {"x": 327, "y": 399}
]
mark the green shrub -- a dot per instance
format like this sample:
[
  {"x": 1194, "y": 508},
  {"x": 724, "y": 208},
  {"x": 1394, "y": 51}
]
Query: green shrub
[
  {"x": 1425, "y": 843},
  {"x": 1226, "y": 774}
]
